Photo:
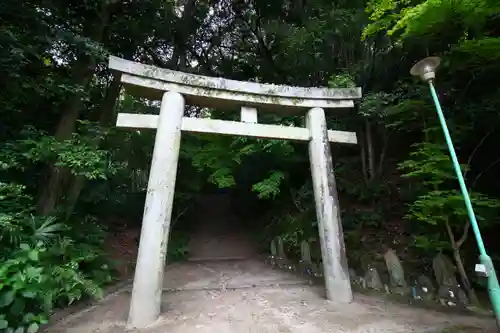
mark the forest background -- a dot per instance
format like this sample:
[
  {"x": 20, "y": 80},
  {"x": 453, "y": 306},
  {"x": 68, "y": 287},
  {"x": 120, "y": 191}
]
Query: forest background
[{"x": 69, "y": 179}]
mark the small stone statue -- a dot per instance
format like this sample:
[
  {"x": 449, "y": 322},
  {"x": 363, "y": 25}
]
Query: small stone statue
[
  {"x": 305, "y": 263},
  {"x": 424, "y": 289},
  {"x": 372, "y": 278},
  {"x": 446, "y": 296},
  {"x": 280, "y": 248},
  {"x": 273, "y": 248},
  {"x": 305, "y": 251},
  {"x": 271, "y": 260},
  {"x": 283, "y": 263}
]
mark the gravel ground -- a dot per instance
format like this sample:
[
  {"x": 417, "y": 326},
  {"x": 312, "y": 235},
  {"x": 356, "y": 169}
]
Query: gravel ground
[{"x": 248, "y": 296}]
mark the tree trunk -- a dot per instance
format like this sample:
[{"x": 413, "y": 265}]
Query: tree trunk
[
  {"x": 383, "y": 152},
  {"x": 471, "y": 293},
  {"x": 106, "y": 115},
  {"x": 371, "y": 154},
  {"x": 363, "y": 158},
  {"x": 82, "y": 73},
  {"x": 179, "y": 56},
  {"x": 463, "y": 276}
]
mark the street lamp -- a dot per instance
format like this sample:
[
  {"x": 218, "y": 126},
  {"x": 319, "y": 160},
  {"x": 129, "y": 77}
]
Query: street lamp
[{"x": 426, "y": 70}]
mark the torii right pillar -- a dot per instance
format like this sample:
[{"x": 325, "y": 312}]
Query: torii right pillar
[{"x": 336, "y": 271}]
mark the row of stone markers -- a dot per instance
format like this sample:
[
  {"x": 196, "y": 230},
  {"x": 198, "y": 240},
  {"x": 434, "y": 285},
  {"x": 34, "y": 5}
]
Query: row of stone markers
[{"x": 447, "y": 291}]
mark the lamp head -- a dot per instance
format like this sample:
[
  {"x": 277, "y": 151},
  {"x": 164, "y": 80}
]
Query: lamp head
[{"x": 426, "y": 68}]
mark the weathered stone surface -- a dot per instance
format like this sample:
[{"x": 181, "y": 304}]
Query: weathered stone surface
[
  {"x": 444, "y": 270},
  {"x": 223, "y": 99},
  {"x": 424, "y": 289},
  {"x": 148, "y": 279},
  {"x": 280, "y": 249},
  {"x": 397, "y": 280},
  {"x": 206, "y": 91},
  {"x": 274, "y": 248},
  {"x": 336, "y": 271},
  {"x": 226, "y": 127},
  {"x": 305, "y": 251},
  {"x": 222, "y": 89},
  {"x": 450, "y": 292},
  {"x": 281, "y": 258},
  {"x": 249, "y": 115},
  {"x": 305, "y": 263},
  {"x": 395, "y": 269},
  {"x": 372, "y": 279},
  {"x": 447, "y": 296}
]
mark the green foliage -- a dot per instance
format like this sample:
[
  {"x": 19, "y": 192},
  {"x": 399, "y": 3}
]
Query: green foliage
[
  {"x": 221, "y": 158},
  {"x": 430, "y": 164},
  {"x": 344, "y": 80},
  {"x": 46, "y": 263},
  {"x": 430, "y": 243},
  {"x": 33, "y": 281},
  {"x": 269, "y": 187},
  {"x": 438, "y": 207},
  {"x": 420, "y": 17},
  {"x": 437, "y": 202},
  {"x": 77, "y": 154},
  {"x": 57, "y": 97}
]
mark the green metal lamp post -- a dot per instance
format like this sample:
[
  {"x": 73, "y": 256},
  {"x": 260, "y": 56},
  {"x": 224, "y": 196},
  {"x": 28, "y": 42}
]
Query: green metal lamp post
[{"x": 426, "y": 70}]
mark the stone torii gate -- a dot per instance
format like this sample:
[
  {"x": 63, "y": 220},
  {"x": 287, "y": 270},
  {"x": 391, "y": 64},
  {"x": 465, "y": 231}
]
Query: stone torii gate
[{"x": 174, "y": 88}]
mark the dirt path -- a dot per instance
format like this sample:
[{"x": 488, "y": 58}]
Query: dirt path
[
  {"x": 241, "y": 295},
  {"x": 219, "y": 234},
  {"x": 248, "y": 296}
]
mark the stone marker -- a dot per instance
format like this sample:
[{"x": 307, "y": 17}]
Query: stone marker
[
  {"x": 305, "y": 251},
  {"x": 305, "y": 263},
  {"x": 274, "y": 249},
  {"x": 280, "y": 250},
  {"x": 281, "y": 259},
  {"x": 396, "y": 272},
  {"x": 444, "y": 270},
  {"x": 424, "y": 288},
  {"x": 447, "y": 296},
  {"x": 372, "y": 278},
  {"x": 271, "y": 259},
  {"x": 450, "y": 292}
]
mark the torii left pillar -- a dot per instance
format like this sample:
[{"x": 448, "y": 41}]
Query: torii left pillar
[{"x": 146, "y": 301}]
